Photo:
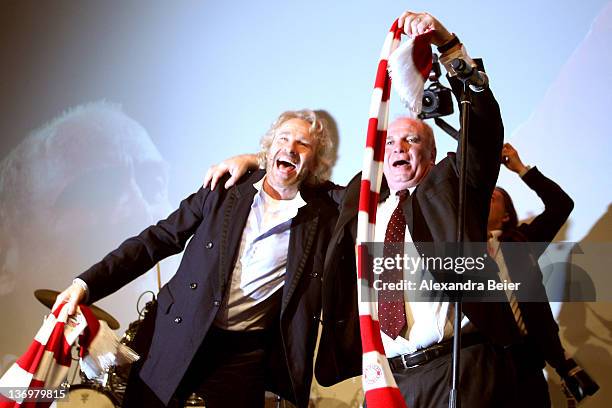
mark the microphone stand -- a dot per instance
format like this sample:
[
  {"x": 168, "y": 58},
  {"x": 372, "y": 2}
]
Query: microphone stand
[{"x": 466, "y": 105}]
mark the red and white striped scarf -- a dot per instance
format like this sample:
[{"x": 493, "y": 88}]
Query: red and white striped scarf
[
  {"x": 46, "y": 362},
  {"x": 379, "y": 386}
]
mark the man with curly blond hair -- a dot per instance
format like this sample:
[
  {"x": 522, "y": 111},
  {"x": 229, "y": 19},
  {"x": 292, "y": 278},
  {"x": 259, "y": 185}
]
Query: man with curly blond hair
[{"x": 240, "y": 316}]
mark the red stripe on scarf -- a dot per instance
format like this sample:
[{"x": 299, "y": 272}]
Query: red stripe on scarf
[
  {"x": 30, "y": 360},
  {"x": 58, "y": 346},
  {"x": 370, "y": 342},
  {"x": 93, "y": 326},
  {"x": 7, "y": 403},
  {"x": 381, "y": 74},
  {"x": 371, "y": 135},
  {"x": 368, "y": 205},
  {"x": 397, "y": 34},
  {"x": 364, "y": 266},
  {"x": 385, "y": 397},
  {"x": 421, "y": 54},
  {"x": 386, "y": 94},
  {"x": 379, "y": 149}
]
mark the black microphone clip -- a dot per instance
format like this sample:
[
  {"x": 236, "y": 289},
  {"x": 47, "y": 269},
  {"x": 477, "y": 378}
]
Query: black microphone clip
[{"x": 475, "y": 78}]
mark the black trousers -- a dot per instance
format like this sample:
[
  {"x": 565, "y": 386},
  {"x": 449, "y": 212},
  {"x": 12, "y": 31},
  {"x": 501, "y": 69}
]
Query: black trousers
[
  {"x": 532, "y": 388},
  {"x": 487, "y": 379},
  {"x": 227, "y": 371}
]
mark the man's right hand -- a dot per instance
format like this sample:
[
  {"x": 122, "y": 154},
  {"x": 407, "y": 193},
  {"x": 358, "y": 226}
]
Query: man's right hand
[
  {"x": 237, "y": 166},
  {"x": 71, "y": 296},
  {"x": 511, "y": 159}
]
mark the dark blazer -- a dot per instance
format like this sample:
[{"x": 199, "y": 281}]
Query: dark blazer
[
  {"x": 557, "y": 208},
  {"x": 430, "y": 216},
  {"x": 188, "y": 303},
  {"x": 542, "y": 329}
]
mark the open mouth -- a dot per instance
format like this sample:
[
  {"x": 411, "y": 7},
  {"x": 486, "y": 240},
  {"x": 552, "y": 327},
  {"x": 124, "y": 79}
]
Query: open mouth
[
  {"x": 285, "y": 166},
  {"x": 399, "y": 163}
]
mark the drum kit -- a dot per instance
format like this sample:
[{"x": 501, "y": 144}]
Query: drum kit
[{"x": 109, "y": 391}]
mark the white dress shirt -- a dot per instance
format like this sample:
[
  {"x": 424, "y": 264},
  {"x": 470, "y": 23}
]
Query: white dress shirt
[
  {"x": 261, "y": 263},
  {"x": 427, "y": 322}
]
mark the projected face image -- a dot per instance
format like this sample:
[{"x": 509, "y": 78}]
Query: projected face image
[{"x": 72, "y": 191}]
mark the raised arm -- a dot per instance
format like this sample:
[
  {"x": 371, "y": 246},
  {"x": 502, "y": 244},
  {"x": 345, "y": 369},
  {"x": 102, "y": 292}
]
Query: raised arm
[
  {"x": 137, "y": 254},
  {"x": 557, "y": 204},
  {"x": 486, "y": 126}
]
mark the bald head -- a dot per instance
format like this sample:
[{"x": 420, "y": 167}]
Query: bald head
[{"x": 410, "y": 153}]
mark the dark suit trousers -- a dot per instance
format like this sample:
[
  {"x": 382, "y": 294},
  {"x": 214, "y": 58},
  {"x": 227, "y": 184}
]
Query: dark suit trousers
[
  {"x": 227, "y": 371},
  {"x": 532, "y": 388},
  {"x": 486, "y": 380}
]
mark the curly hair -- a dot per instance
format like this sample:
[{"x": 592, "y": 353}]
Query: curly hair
[{"x": 319, "y": 129}]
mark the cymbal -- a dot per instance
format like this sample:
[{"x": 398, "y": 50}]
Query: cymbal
[{"x": 47, "y": 298}]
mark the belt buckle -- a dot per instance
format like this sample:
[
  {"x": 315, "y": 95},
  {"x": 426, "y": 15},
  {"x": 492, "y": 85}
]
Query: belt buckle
[{"x": 405, "y": 363}]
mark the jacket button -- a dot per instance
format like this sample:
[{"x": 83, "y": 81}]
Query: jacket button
[
  {"x": 178, "y": 319},
  {"x": 209, "y": 245},
  {"x": 193, "y": 285},
  {"x": 216, "y": 303}
]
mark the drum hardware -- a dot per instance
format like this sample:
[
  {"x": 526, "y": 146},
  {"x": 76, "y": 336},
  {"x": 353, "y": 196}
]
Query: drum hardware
[
  {"x": 88, "y": 395},
  {"x": 195, "y": 401},
  {"x": 108, "y": 391}
]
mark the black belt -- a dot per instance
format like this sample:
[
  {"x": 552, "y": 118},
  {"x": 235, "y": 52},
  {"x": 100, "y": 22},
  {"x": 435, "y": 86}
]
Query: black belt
[{"x": 422, "y": 356}]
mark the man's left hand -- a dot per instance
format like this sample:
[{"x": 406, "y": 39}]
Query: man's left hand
[{"x": 415, "y": 24}]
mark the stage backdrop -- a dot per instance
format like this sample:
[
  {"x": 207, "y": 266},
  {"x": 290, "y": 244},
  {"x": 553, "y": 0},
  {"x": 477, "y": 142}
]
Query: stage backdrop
[{"x": 113, "y": 110}]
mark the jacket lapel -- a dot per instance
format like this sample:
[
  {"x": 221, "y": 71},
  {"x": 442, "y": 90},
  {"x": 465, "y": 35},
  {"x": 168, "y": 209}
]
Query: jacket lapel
[
  {"x": 302, "y": 235},
  {"x": 350, "y": 207},
  {"x": 235, "y": 215}
]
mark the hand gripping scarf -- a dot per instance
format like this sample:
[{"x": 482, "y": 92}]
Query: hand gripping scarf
[
  {"x": 45, "y": 364},
  {"x": 414, "y": 64}
]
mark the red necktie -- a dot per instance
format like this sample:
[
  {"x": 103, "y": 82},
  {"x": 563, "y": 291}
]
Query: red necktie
[{"x": 391, "y": 311}]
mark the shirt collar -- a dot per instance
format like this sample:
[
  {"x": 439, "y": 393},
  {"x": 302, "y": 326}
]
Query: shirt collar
[
  {"x": 296, "y": 202},
  {"x": 258, "y": 185}
]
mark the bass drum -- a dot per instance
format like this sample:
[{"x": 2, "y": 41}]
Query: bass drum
[{"x": 84, "y": 395}]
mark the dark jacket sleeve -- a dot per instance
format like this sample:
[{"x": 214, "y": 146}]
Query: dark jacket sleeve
[
  {"x": 138, "y": 254},
  {"x": 542, "y": 328},
  {"x": 334, "y": 191},
  {"x": 486, "y": 134},
  {"x": 557, "y": 208}
]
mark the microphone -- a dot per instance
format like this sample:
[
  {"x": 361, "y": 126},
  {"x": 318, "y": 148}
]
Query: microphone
[{"x": 477, "y": 80}]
